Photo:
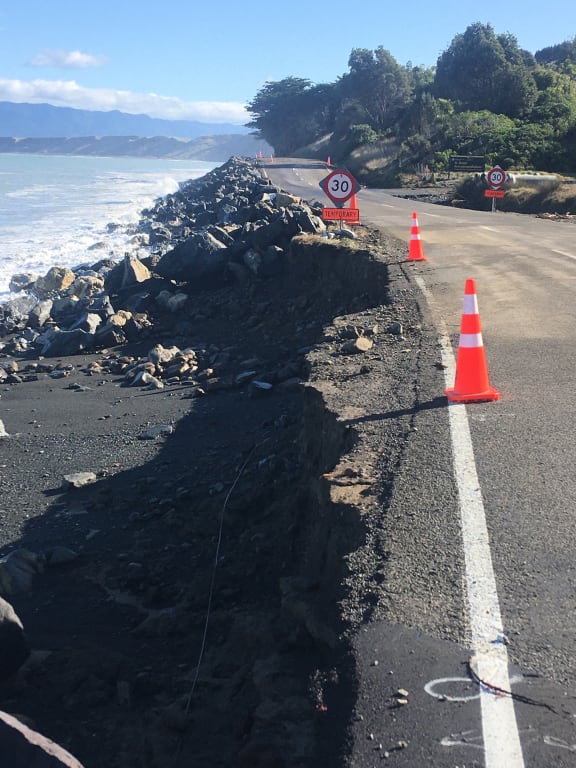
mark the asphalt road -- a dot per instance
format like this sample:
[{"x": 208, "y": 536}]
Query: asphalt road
[{"x": 523, "y": 453}]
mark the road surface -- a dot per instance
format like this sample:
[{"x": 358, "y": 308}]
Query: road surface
[{"x": 511, "y": 463}]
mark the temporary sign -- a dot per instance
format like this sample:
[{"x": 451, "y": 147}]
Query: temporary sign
[
  {"x": 351, "y": 215},
  {"x": 339, "y": 186}
]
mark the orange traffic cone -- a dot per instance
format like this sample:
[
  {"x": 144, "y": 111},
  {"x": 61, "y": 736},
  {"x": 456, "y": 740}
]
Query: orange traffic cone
[
  {"x": 328, "y": 162},
  {"x": 353, "y": 204},
  {"x": 415, "y": 251},
  {"x": 471, "y": 383}
]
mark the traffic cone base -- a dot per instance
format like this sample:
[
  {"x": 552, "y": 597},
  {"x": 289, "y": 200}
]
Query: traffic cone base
[
  {"x": 415, "y": 249},
  {"x": 472, "y": 383},
  {"x": 478, "y": 397}
]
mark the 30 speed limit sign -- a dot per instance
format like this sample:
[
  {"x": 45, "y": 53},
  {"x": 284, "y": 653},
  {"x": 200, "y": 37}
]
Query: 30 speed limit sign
[
  {"x": 339, "y": 186},
  {"x": 496, "y": 177}
]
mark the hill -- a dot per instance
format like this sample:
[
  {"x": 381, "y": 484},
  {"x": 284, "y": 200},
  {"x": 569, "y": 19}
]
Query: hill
[
  {"x": 47, "y": 121},
  {"x": 210, "y": 148}
]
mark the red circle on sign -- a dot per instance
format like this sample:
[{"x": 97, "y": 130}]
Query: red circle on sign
[
  {"x": 339, "y": 186},
  {"x": 496, "y": 177}
]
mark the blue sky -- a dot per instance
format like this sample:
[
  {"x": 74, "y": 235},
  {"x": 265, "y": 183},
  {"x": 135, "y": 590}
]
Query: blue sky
[{"x": 185, "y": 59}]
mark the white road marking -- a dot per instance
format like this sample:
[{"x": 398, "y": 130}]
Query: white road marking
[
  {"x": 563, "y": 253},
  {"x": 502, "y": 748},
  {"x": 490, "y": 229}
]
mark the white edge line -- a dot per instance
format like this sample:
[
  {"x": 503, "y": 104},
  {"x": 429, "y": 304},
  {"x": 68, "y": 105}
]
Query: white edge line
[
  {"x": 563, "y": 253},
  {"x": 502, "y": 746}
]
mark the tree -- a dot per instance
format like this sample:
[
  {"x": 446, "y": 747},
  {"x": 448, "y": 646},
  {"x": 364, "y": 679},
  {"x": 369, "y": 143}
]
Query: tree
[
  {"x": 292, "y": 112},
  {"x": 481, "y": 70},
  {"x": 556, "y": 102},
  {"x": 558, "y": 55},
  {"x": 377, "y": 86}
]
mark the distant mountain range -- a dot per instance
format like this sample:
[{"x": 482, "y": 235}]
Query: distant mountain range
[
  {"x": 47, "y": 121},
  {"x": 44, "y": 129}
]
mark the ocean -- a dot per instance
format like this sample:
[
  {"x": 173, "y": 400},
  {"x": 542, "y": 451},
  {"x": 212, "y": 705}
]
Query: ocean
[{"x": 54, "y": 208}]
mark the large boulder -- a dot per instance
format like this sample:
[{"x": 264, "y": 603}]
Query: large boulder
[
  {"x": 21, "y": 747},
  {"x": 134, "y": 271},
  {"x": 63, "y": 343},
  {"x": 55, "y": 280},
  {"x": 40, "y": 314},
  {"x": 129, "y": 272},
  {"x": 201, "y": 255},
  {"x": 23, "y": 281},
  {"x": 87, "y": 285}
]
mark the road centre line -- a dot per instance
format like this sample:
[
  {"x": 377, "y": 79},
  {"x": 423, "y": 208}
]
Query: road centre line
[
  {"x": 502, "y": 748},
  {"x": 431, "y": 215}
]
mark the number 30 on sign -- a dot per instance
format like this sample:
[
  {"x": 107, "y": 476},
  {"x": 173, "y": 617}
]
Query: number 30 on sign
[{"x": 339, "y": 186}]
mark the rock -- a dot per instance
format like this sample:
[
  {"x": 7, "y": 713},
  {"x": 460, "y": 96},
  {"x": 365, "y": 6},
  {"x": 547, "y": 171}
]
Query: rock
[
  {"x": 13, "y": 646},
  {"x": 17, "y": 571},
  {"x": 40, "y": 314},
  {"x": 199, "y": 256},
  {"x": 157, "y": 431},
  {"x": 134, "y": 271},
  {"x": 87, "y": 285},
  {"x": 283, "y": 199},
  {"x": 64, "y": 343},
  {"x": 22, "y": 281},
  {"x": 360, "y": 344},
  {"x": 79, "y": 479},
  {"x": 21, "y": 747},
  {"x": 57, "y": 279},
  {"x": 143, "y": 378},
  {"x": 252, "y": 260},
  {"x": 160, "y": 355},
  {"x": 88, "y": 322},
  {"x": 171, "y": 301}
]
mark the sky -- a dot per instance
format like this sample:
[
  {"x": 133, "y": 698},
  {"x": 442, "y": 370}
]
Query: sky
[{"x": 204, "y": 61}]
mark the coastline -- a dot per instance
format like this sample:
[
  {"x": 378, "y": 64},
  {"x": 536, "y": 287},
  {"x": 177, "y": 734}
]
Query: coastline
[{"x": 240, "y": 466}]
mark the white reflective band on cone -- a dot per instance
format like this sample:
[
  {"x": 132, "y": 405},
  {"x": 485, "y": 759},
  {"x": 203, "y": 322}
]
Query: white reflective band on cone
[
  {"x": 471, "y": 340},
  {"x": 470, "y": 304}
]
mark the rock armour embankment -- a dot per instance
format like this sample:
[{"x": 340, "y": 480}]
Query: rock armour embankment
[{"x": 223, "y": 563}]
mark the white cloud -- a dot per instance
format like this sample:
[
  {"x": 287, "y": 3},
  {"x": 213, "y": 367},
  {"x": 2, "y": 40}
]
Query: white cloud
[
  {"x": 56, "y": 57},
  {"x": 67, "y": 93}
]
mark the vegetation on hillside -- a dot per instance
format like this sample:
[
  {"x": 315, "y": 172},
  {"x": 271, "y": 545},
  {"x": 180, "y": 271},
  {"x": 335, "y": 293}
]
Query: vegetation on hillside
[{"x": 485, "y": 96}]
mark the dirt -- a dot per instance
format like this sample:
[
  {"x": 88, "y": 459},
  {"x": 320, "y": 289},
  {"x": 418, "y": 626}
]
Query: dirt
[{"x": 223, "y": 567}]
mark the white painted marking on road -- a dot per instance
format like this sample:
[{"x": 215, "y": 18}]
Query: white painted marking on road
[
  {"x": 563, "y": 253},
  {"x": 490, "y": 229},
  {"x": 502, "y": 748}
]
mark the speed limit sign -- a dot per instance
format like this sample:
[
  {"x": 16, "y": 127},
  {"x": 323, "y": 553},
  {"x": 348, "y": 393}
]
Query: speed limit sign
[
  {"x": 340, "y": 186},
  {"x": 496, "y": 177}
]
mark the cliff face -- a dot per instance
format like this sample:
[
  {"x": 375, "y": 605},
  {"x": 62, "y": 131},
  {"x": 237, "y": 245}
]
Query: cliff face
[{"x": 210, "y": 148}]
